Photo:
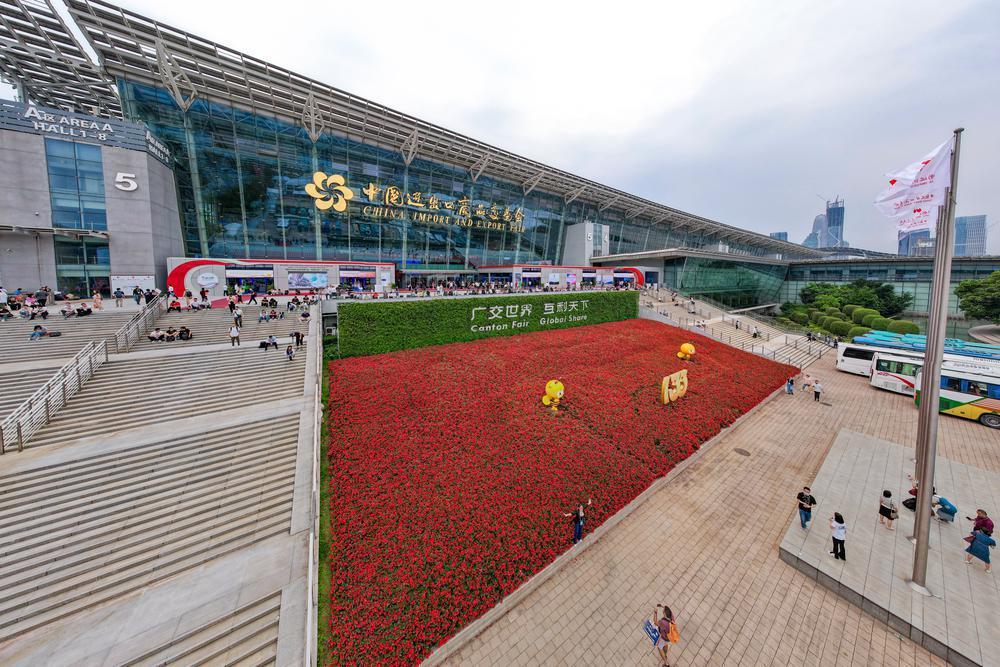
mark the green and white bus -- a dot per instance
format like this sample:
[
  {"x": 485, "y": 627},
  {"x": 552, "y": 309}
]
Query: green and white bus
[{"x": 969, "y": 395}]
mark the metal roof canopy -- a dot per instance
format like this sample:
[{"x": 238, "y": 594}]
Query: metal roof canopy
[
  {"x": 40, "y": 54},
  {"x": 139, "y": 48},
  {"x": 670, "y": 253}
]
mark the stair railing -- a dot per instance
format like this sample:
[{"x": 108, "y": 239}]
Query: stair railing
[
  {"x": 141, "y": 322},
  {"x": 38, "y": 409}
]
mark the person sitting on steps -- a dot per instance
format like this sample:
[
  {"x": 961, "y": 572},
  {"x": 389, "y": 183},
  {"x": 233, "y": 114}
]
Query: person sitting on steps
[
  {"x": 156, "y": 335},
  {"x": 184, "y": 334},
  {"x": 171, "y": 334}
]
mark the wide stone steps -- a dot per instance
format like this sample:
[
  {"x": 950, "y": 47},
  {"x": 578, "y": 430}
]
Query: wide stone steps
[
  {"x": 76, "y": 332},
  {"x": 248, "y": 636},
  {"x": 212, "y": 326},
  {"x": 17, "y": 387},
  {"x": 130, "y": 393},
  {"x": 85, "y": 532}
]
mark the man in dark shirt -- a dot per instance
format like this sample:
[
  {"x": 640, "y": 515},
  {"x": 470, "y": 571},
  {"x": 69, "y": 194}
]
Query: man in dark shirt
[{"x": 806, "y": 505}]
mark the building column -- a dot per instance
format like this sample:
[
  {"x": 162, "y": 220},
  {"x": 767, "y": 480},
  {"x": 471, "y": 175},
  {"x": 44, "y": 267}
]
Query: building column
[
  {"x": 317, "y": 223},
  {"x": 199, "y": 207}
]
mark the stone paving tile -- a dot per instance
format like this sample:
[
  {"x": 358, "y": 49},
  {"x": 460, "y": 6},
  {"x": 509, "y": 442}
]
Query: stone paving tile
[{"x": 707, "y": 545}]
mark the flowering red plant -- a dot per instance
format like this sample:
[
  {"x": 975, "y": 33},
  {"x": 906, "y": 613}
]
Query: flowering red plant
[{"x": 449, "y": 478}]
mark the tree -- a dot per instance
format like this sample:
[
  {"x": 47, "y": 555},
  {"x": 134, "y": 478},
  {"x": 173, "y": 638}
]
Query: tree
[
  {"x": 980, "y": 299},
  {"x": 880, "y": 297}
]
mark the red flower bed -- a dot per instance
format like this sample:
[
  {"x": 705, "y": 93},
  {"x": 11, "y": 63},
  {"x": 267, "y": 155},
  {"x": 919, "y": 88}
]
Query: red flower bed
[{"x": 449, "y": 478}]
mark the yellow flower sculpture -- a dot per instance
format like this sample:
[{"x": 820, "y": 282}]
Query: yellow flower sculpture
[{"x": 329, "y": 192}]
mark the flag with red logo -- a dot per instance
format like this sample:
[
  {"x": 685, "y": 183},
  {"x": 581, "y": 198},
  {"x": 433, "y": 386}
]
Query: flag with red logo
[{"x": 916, "y": 191}]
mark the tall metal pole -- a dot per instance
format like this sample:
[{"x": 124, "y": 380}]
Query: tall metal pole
[{"x": 930, "y": 384}]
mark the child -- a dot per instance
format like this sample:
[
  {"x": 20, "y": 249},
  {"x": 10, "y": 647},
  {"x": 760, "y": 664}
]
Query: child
[{"x": 290, "y": 352}]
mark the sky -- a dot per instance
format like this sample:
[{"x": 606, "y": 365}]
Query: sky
[{"x": 748, "y": 112}]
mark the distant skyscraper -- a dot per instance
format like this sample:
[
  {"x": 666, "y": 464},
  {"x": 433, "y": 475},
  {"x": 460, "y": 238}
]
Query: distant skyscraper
[
  {"x": 970, "y": 236},
  {"x": 781, "y": 236},
  {"x": 916, "y": 244},
  {"x": 817, "y": 237},
  {"x": 834, "y": 224}
]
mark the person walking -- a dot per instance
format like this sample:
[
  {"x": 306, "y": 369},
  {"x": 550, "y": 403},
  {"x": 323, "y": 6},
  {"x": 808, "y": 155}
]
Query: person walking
[
  {"x": 982, "y": 522},
  {"x": 98, "y": 301},
  {"x": 290, "y": 352},
  {"x": 806, "y": 504},
  {"x": 887, "y": 510},
  {"x": 838, "y": 531},
  {"x": 253, "y": 297},
  {"x": 578, "y": 521},
  {"x": 667, "y": 629},
  {"x": 137, "y": 295},
  {"x": 817, "y": 390},
  {"x": 790, "y": 386},
  {"x": 119, "y": 297},
  {"x": 979, "y": 546},
  {"x": 238, "y": 317},
  {"x": 234, "y": 336},
  {"x": 232, "y": 304},
  {"x": 807, "y": 383}
]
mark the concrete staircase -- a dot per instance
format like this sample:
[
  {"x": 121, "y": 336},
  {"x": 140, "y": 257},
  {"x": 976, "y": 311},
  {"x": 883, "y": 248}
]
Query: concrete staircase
[
  {"x": 83, "y": 532},
  {"x": 212, "y": 326},
  {"x": 248, "y": 636},
  {"x": 17, "y": 386},
  {"x": 133, "y": 392},
  {"x": 76, "y": 332}
]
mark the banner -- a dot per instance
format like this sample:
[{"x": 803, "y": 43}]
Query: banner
[{"x": 917, "y": 190}]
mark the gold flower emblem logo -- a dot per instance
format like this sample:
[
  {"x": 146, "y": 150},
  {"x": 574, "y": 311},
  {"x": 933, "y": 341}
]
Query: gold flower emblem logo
[{"x": 329, "y": 191}]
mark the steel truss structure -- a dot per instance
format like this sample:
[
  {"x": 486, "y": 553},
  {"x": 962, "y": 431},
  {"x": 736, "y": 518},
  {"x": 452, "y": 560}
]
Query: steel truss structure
[{"x": 42, "y": 54}]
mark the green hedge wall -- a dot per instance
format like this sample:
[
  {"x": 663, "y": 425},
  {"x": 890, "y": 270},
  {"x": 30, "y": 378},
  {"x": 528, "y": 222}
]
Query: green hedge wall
[
  {"x": 850, "y": 308},
  {"x": 857, "y": 331},
  {"x": 840, "y": 327},
  {"x": 375, "y": 327}
]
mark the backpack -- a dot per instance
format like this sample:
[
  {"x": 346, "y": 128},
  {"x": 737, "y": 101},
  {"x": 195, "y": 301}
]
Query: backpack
[{"x": 673, "y": 636}]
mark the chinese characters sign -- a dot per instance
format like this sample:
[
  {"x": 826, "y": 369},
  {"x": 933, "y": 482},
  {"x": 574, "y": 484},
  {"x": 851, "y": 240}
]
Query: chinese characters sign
[
  {"x": 391, "y": 203},
  {"x": 512, "y": 316},
  {"x": 674, "y": 386}
]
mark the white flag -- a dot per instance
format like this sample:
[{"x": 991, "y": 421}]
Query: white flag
[{"x": 917, "y": 190}]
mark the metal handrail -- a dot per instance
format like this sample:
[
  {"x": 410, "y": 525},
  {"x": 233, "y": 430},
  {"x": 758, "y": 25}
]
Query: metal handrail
[
  {"x": 37, "y": 410},
  {"x": 132, "y": 331}
]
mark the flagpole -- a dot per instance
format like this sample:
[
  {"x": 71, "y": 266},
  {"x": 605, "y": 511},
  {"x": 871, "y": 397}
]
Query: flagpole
[{"x": 930, "y": 383}]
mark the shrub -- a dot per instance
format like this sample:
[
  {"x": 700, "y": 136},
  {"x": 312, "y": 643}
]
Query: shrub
[
  {"x": 868, "y": 319},
  {"x": 859, "y": 314},
  {"x": 850, "y": 308},
  {"x": 857, "y": 331},
  {"x": 800, "y": 318},
  {"x": 840, "y": 327},
  {"x": 834, "y": 312},
  {"x": 826, "y": 321},
  {"x": 903, "y": 327},
  {"x": 815, "y": 315},
  {"x": 879, "y": 323}
]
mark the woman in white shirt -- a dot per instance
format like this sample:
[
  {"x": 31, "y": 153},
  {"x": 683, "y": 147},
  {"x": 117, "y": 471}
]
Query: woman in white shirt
[
  {"x": 838, "y": 530},
  {"x": 887, "y": 509},
  {"x": 234, "y": 335}
]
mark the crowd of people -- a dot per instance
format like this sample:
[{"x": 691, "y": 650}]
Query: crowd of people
[{"x": 979, "y": 541}]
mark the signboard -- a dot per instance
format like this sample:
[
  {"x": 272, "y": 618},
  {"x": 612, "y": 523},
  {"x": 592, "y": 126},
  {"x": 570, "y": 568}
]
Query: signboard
[
  {"x": 249, "y": 273},
  {"x": 304, "y": 280},
  {"x": 651, "y": 631},
  {"x": 389, "y": 202},
  {"x": 207, "y": 279},
  {"x": 129, "y": 283},
  {"x": 60, "y": 124}
]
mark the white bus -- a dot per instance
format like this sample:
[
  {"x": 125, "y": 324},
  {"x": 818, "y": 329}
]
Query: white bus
[
  {"x": 898, "y": 374},
  {"x": 856, "y": 358}
]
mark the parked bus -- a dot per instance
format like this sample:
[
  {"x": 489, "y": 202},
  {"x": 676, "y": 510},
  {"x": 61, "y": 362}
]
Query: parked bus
[
  {"x": 969, "y": 395},
  {"x": 857, "y": 358},
  {"x": 898, "y": 374}
]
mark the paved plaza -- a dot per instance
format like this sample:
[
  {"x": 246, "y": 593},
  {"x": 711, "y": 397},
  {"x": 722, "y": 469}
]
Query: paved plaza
[
  {"x": 707, "y": 545},
  {"x": 959, "y": 621}
]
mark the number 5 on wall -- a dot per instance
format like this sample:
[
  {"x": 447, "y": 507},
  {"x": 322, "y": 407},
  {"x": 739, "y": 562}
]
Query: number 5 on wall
[
  {"x": 125, "y": 182},
  {"x": 674, "y": 386}
]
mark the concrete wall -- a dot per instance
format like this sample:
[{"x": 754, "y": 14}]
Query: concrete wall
[
  {"x": 26, "y": 259},
  {"x": 143, "y": 224}
]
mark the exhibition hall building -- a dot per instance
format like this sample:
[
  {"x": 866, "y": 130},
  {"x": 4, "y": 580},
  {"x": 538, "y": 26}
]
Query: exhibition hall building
[{"x": 136, "y": 148}]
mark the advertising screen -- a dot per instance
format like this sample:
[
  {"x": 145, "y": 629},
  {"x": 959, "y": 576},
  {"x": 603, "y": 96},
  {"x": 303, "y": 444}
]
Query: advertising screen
[{"x": 298, "y": 280}]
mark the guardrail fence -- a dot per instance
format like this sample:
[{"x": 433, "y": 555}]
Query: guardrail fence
[
  {"x": 140, "y": 323},
  {"x": 38, "y": 409}
]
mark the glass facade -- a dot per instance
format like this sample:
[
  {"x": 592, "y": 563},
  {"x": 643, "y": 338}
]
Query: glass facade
[
  {"x": 970, "y": 236},
  {"x": 731, "y": 283},
  {"x": 906, "y": 277},
  {"x": 241, "y": 178},
  {"x": 76, "y": 185},
  {"x": 83, "y": 267}
]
